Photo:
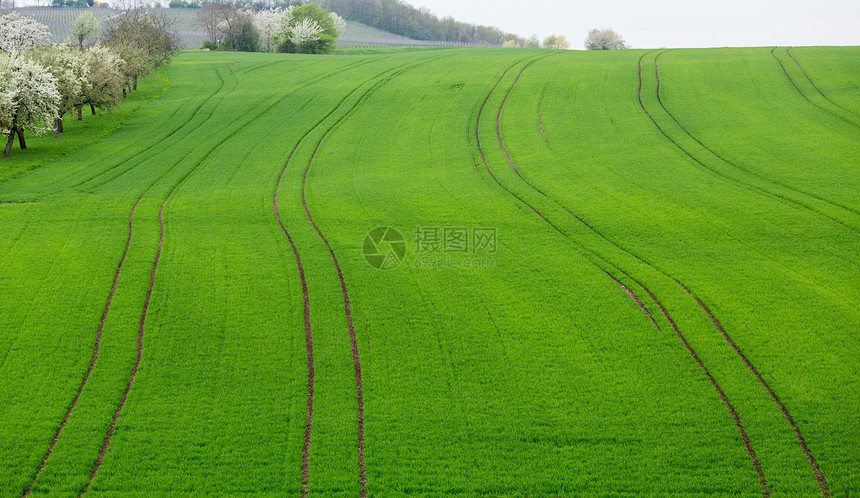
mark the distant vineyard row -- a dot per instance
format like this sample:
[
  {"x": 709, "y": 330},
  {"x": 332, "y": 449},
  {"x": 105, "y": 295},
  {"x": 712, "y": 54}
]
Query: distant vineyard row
[{"x": 192, "y": 34}]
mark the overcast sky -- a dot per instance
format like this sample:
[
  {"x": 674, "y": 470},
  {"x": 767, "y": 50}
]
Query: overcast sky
[{"x": 668, "y": 23}]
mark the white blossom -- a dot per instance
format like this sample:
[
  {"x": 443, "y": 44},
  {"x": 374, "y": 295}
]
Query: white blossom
[
  {"x": 339, "y": 23},
  {"x": 305, "y": 31},
  {"x": 268, "y": 23},
  {"x": 85, "y": 26},
  {"x": 30, "y": 99},
  {"x": 604, "y": 39},
  {"x": 19, "y": 34},
  {"x": 71, "y": 72}
]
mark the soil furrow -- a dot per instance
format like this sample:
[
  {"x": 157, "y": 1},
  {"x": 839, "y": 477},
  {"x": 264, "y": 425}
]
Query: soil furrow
[
  {"x": 747, "y": 362},
  {"x": 97, "y": 343},
  {"x": 142, "y": 324},
  {"x": 96, "y": 347},
  {"x": 794, "y": 84},
  {"x": 717, "y": 172},
  {"x": 306, "y": 299},
  {"x": 817, "y": 89},
  {"x": 751, "y": 452},
  {"x": 812, "y": 462},
  {"x": 356, "y": 357},
  {"x": 309, "y": 342},
  {"x": 745, "y": 170},
  {"x": 822, "y": 483}
]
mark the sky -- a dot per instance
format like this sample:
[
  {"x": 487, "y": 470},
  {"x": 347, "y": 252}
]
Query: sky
[{"x": 668, "y": 23}]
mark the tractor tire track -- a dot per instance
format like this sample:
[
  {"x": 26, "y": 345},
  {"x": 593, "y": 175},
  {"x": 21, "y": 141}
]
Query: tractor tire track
[
  {"x": 356, "y": 357},
  {"x": 540, "y": 123},
  {"x": 813, "y": 464},
  {"x": 159, "y": 142},
  {"x": 109, "y": 435},
  {"x": 745, "y": 170},
  {"x": 302, "y": 85},
  {"x": 144, "y": 313},
  {"x": 747, "y": 443},
  {"x": 103, "y": 319},
  {"x": 626, "y": 289},
  {"x": 803, "y": 444},
  {"x": 347, "y": 304},
  {"x": 717, "y": 172},
  {"x": 95, "y": 356},
  {"x": 817, "y": 89},
  {"x": 822, "y": 483},
  {"x": 806, "y": 97}
]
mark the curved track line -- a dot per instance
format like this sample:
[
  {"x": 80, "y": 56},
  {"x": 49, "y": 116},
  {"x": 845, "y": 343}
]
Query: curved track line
[
  {"x": 142, "y": 324},
  {"x": 717, "y": 388},
  {"x": 356, "y": 358},
  {"x": 822, "y": 483},
  {"x": 309, "y": 341},
  {"x": 788, "y": 53},
  {"x": 540, "y": 122},
  {"x": 626, "y": 289},
  {"x": 306, "y": 298},
  {"x": 745, "y": 170},
  {"x": 97, "y": 343},
  {"x": 159, "y": 142},
  {"x": 717, "y": 172},
  {"x": 726, "y": 336},
  {"x": 303, "y": 84},
  {"x": 791, "y": 80},
  {"x": 96, "y": 347}
]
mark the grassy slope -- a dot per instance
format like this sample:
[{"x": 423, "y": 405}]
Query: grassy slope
[{"x": 538, "y": 374}]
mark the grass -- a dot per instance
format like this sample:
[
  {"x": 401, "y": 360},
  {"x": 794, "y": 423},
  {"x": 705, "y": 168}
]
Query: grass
[{"x": 534, "y": 373}]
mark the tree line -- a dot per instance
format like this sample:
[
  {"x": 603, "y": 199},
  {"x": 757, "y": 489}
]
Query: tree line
[
  {"x": 41, "y": 83},
  {"x": 306, "y": 29},
  {"x": 398, "y": 17}
]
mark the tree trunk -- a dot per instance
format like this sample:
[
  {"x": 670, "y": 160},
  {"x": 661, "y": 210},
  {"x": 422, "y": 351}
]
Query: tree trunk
[
  {"x": 21, "y": 141},
  {"x": 123, "y": 92},
  {"x": 135, "y": 84},
  {"x": 93, "y": 108},
  {"x": 9, "y": 144},
  {"x": 57, "y": 128},
  {"x": 61, "y": 126},
  {"x": 80, "y": 112}
]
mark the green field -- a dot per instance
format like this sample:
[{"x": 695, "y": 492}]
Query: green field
[{"x": 625, "y": 273}]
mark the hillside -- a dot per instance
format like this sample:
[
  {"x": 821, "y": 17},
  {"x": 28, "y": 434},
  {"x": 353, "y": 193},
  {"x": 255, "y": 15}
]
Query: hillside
[
  {"x": 461, "y": 271},
  {"x": 191, "y": 32}
]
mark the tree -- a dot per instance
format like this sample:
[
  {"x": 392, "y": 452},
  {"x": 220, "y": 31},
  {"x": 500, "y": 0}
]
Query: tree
[
  {"x": 308, "y": 29},
  {"x": 148, "y": 29},
  {"x": 604, "y": 39},
  {"x": 135, "y": 64},
  {"x": 532, "y": 42},
  {"x": 268, "y": 23},
  {"x": 70, "y": 71},
  {"x": 28, "y": 99},
  {"x": 19, "y": 34},
  {"x": 211, "y": 15},
  {"x": 85, "y": 26},
  {"x": 556, "y": 42},
  {"x": 244, "y": 34},
  {"x": 106, "y": 80}
]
